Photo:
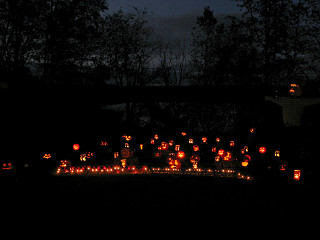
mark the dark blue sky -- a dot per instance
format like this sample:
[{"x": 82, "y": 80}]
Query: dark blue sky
[{"x": 176, "y": 7}]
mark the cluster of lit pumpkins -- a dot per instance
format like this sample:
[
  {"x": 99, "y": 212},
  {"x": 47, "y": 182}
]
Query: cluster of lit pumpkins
[{"x": 186, "y": 152}]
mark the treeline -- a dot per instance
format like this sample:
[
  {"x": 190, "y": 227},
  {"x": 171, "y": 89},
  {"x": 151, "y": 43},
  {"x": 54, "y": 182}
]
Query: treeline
[{"x": 274, "y": 42}]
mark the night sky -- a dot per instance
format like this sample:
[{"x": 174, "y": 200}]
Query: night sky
[
  {"x": 173, "y": 20},
  {"x": 176, "y": 7}
]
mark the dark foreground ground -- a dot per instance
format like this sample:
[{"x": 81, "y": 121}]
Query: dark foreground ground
[{"x": 135, "y": 195}]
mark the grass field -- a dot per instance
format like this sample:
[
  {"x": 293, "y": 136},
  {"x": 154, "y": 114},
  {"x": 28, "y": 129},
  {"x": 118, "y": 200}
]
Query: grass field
[{"x": 156, "y": 194}]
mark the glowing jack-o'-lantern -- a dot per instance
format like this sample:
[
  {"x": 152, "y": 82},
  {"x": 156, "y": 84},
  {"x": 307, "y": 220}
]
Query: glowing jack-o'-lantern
[
  {"x": 194, "y": 158},
  {"x": 283, "y": 167},
  {"x": 262, "y": 150},
  {"x": 277, "y": 153},
  {"x": 227, "y": 156},
  {"x": 47, "y": 156},
  {"x": 220, "y": 152},
  {"x": 103, "y": 143},
  {"x": 181, "y": 154},
  {"x": 175, "y": 164},
  {"x": 164, "y": 146},
  {"x": 157, "y": 154},
  {"x": 204, "y": 139},
  {"x": 127, "y": 137},
  {"x": 76, "y": 147},
  {"x": 123, "y": 163},
  {"x": 7, "y": 166},
  {"x": 190, "y": 140},
  {"x": 231, "y": 143},
  {"x": 295, "y": 90},
  {"x": 296, "y": 174},
  {"x": 246, "y": 161},
  {"x": 65, "y": 163},
  {"x": 196, "y": 148},
  {"x": 244, "y": 164},
  {"x": 252, "y": 130},
  {"x": 83, "y": 157}
]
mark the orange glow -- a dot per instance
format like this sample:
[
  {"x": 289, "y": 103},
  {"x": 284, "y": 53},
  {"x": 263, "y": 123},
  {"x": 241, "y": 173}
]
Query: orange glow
[
  {"x": 171, "y": 142},
  {"x": 220, "y": 152},
  {"x": 127, "y": 137},
  {"x": 89, "y": 154},
  {"x": 252, "y": 130},
  {"x": 177, "y": 148},
  {"x": 277, "y": 153},
  {"x": 262, "y": 150},
  {"x": 164, "y": 146},
  {"x": 65, "y": 163},
  {"x": 116, "y": 155},
  {"x": 141, "y": 147},
  {"x": 244, "y": 164},
  {"x": 156, "y": 137},
  {"x": 227, "y": 157},
  {"x": 76, "y": 147},
  {"x": 283, "y": 167},
  {"x": 152, "y": 141},
  {"x": 47, "y": 156},
  {"x": 214, "y": 149},
  {"x": 196, "y": 148},
  {"x": 231, "y": 143},
  {"x": 184, "y": 134},
  {"x": 246, "y": 161},
  {"x": 103, "y": 143},
  {"x": 204, "y": 139},
  {"x": 157, "y": 154},
  {"x": 181, "y": 154},
  {"x": 83, "y": 157},
  {"x": 190, "y": 140},
  {"x": 296, "y": 174},
  {"x": 123, "y": 163},
  {"x": 174, "y": 164},
  {"x": 217, "y": 139},
  {"x": 195, "y": 158}
]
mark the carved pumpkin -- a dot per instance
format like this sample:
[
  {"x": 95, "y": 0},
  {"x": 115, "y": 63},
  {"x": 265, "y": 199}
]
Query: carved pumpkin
[
  {"x": 47, "y": 156},
  {"x": 76, "y": 147},
  {"x": 126, "y": 153},
  {"x": 296, "y": 174},
  {"x": 262, "y": 150},
  {"x": 181, "y": 154},
  {"x": 194, "y": 158},
  {"x": 7, "y": 166},
  {"x": 196, "y": 148},
  {"x": 164, "y": 146}
]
